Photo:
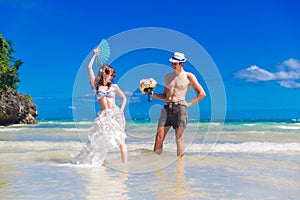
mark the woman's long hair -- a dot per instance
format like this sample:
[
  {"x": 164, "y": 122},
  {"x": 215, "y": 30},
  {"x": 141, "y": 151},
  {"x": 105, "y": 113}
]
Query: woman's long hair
[{"x": 107, "y": 69}]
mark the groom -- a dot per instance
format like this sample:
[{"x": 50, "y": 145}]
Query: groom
[{"x": 174, "y": 112}]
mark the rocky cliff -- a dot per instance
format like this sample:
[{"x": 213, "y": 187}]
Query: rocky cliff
[{"x": 17, "y": 108}]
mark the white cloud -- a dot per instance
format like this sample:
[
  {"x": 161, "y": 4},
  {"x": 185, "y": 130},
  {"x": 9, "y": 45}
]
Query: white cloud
[
  {"x": 135, "y": 99},
  {"x": 287, "y": 76},
  {"x": 255, "y": 74},
  {"x": 289, "y": 84},
  {"x": 292, "y": 63},
  {"x": 72, "y": 107}
]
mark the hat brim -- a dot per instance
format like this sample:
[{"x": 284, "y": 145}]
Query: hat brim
[{"x": 177, "y": 61}]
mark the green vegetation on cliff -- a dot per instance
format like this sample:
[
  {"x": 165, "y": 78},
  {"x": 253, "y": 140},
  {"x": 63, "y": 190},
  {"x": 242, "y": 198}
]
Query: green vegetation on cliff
[
  {"x": 15, "y": 108},
  {"x": 9, "y": 66}
]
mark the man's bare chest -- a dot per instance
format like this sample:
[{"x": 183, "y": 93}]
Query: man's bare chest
[{"x": 178, "y": 82}]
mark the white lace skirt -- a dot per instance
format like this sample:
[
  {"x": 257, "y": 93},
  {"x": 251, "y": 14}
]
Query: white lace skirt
[{"x": 108, "y": 132}]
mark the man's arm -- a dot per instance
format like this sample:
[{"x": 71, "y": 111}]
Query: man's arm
[
  {"x": 163, "y": 95},
  {"x": 197, "y": 87},
  {"x": 160, "y": 96}
]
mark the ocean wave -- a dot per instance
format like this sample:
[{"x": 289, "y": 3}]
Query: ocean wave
[
  {"x": 38, "y": 145},
  {"x": 245, "y": 147},
  {"x": 289, "y": 127},
  {"x": 249, "y": 124},
  {"x": 66, "y": 122},
  {"x": 76, "y": 129},
  {"x": 11, "y": 129},
  {"x": 250, "y": 147}
]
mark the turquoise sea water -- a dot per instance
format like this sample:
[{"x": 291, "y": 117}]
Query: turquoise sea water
[{"x": 234, "y": 160}]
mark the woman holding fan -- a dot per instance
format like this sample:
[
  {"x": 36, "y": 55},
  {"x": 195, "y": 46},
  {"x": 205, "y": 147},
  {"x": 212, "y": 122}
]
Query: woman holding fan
[{"x": 108, "y": 129}]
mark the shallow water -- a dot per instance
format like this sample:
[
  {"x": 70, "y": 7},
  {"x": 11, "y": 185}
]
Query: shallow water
[{"x": 257, "y": 160}]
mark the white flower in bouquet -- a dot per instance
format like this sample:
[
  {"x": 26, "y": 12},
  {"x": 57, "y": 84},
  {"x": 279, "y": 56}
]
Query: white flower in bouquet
[{"x": 148, "y": 85}]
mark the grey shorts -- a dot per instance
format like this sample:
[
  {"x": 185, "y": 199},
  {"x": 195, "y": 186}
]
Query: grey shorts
[{"x": 173, "y": 115}]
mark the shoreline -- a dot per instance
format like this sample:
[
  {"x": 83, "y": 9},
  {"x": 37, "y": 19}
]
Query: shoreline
[{"x": 293, "y": 120}]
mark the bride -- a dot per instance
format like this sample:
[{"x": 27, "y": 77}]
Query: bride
[{"x": 108, "y": 130}]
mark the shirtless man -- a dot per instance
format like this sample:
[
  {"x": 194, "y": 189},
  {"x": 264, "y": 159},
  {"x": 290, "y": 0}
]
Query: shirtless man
[{"x": 174, "y": 112}]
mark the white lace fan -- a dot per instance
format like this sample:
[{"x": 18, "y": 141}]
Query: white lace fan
[{"x": 104, "y": 52}]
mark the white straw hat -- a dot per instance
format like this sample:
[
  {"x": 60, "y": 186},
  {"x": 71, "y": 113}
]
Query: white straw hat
[{"x": 178, "y": 57}]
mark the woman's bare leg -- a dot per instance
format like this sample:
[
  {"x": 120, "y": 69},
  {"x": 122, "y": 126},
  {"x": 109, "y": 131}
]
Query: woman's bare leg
[{"x": 123, "y": 150}]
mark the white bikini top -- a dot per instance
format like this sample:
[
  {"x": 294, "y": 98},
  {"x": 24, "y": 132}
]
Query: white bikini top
[{"x": 101, "y": 94}]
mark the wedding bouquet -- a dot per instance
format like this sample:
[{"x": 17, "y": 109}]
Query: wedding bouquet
[{"x": 148, "y": 85}]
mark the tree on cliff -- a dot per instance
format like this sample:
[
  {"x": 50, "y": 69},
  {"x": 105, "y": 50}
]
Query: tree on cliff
[
  {"x": 9, "y": 66},
  {"x": 15, "y": 108}
]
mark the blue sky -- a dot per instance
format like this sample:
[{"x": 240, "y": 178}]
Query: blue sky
[{"x": 255, "y": 46}]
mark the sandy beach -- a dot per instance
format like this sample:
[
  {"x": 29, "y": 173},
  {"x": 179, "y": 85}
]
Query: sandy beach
[{"x": 250, "y": 160}]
